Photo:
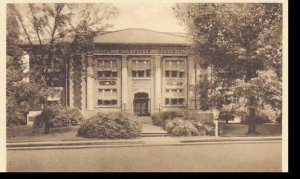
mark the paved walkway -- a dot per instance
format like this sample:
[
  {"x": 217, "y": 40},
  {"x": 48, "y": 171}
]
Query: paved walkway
[{"x": 148, "y": 128}]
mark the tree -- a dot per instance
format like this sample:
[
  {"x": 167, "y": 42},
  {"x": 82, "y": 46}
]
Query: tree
[
  {"x": 53, "y": 33},
  {"x": 18, "y": 91},
  {"x": 232, "y": 38}
]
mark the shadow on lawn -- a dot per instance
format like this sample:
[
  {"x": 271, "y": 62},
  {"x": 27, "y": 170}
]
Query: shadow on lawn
[{"x": 240, "y": 130}]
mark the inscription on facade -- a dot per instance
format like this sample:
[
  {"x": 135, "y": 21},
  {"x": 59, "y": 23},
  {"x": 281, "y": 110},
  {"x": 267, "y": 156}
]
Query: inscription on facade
[{"x": 142, "y": 51}]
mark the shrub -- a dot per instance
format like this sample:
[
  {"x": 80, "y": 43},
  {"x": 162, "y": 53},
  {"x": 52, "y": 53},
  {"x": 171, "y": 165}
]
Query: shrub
[
  {"x": 112, "y": 126},
  {"x": 179, "y": 127},
  {"x": 57, "y": 117},
  {"x": 204, "y": 129},
  {"x": 17, "y": 113},
  {"x": 70, "y": 115}
]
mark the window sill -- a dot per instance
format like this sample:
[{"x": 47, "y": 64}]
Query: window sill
[
  {"x": 144, "y": 78},
  {"x": 175, "y": 106},
  {"x": 108, "y": 106}
]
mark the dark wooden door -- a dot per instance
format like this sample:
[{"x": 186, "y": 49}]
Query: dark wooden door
[{"x": 141, "y": 107}]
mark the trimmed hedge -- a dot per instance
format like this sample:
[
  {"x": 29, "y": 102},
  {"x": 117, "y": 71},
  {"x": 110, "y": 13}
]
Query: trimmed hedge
[
  {"x": 58, "y": 117},
  {"x": 111, "y": 126}
]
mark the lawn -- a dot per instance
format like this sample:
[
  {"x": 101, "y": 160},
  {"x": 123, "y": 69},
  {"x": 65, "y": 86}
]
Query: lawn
[
  {"x": 240, "y": 130},
  {"x": 29, "y": 133}
]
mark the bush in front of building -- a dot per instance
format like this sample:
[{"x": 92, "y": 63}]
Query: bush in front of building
[
  {"x": 181, "y": 127},
  {"x": 204, "y": 128},
  {"x": 110, "y": 126},
  {"x": 53, "y": 117},
  {"x": 184, "y": 123}
]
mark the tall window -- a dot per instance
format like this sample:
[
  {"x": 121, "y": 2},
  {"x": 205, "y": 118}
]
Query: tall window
[
  {"x": 141, "y": 68},
  {"x": 174, "y": 67},
  {"x": 107, "y": 68}
]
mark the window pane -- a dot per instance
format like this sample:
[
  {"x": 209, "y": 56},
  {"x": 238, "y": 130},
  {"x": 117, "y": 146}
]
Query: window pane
[
  {"x": 180, "y": 101},
  {"x": 174, "y": 73},
  {"x": 167, "y": 101},
  {"x": 134, "y": 73},
  {"x": 114, "y": 74},
  {"x": 141, "y": 73},
  {"x": 148, "y": 73},
  {"x": 100, "y": 102},
  {"x": 107, "y": 73},
  {"x": 174, "y": 101},
  {"x": 167, "y": 73},
  {"x": 181, "y": 74}
]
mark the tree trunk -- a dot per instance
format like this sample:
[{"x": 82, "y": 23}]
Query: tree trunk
[
  {"x": 252, "y": 117},
  {"x": 251, "y": 73}
]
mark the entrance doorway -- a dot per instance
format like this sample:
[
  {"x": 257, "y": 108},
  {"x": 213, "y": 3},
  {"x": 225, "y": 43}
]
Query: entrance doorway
[{"x": 141, "y": 104}]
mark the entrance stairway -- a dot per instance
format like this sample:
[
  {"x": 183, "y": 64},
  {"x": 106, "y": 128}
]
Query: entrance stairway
[{"x": 148, "y": 129}]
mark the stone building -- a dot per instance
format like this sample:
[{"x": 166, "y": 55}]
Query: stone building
[{"x": 137, "y": 71}]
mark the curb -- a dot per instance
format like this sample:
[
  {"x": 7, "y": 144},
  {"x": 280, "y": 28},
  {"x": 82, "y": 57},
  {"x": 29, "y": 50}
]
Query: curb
[{"x": 144, "y": 141}]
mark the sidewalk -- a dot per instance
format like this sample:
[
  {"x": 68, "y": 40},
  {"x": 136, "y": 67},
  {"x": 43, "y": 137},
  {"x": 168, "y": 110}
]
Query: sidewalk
[{"x": 142, "y": 141}]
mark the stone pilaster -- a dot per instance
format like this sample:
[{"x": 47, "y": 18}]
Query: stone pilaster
[
  {"x": 124, "y": 84},
  {"x": 71, "y": 83},
  {"x": 191, "y": 83},
  {"x": 157, "y": 84},
  {"x": 90, "y": 83},
  {"x": 83, "y": 83}
]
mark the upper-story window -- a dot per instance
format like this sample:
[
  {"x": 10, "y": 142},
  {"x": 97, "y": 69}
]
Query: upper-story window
[
  {"x": 174, "y": 68},
  {"x": 107, "y": 74},
  {"x": 174, "y": 74},
  {"x": 141, "y": 68},
  {"x": 107, "y": 64},
  {"x": 107, "y": 68},
  {"x": 174, "y": 101}
]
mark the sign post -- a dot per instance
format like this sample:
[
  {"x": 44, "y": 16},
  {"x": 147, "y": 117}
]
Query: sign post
[{"x": 216, "y": 128}]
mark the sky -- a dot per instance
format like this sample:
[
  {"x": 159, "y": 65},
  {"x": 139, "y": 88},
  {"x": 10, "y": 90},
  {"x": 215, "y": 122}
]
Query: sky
[{"x": 153, "y": 16}]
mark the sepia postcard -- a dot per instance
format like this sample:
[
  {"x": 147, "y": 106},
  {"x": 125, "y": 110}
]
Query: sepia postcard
[{"x": 144, "y": 86}]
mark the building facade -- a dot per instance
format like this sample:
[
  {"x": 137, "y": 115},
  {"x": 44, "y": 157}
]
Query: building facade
[{"x": 137, "y": 71}]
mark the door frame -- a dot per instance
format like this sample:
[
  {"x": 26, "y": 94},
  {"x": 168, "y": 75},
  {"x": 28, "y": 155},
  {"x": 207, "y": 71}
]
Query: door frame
[{"x": 142, "y": 97}]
